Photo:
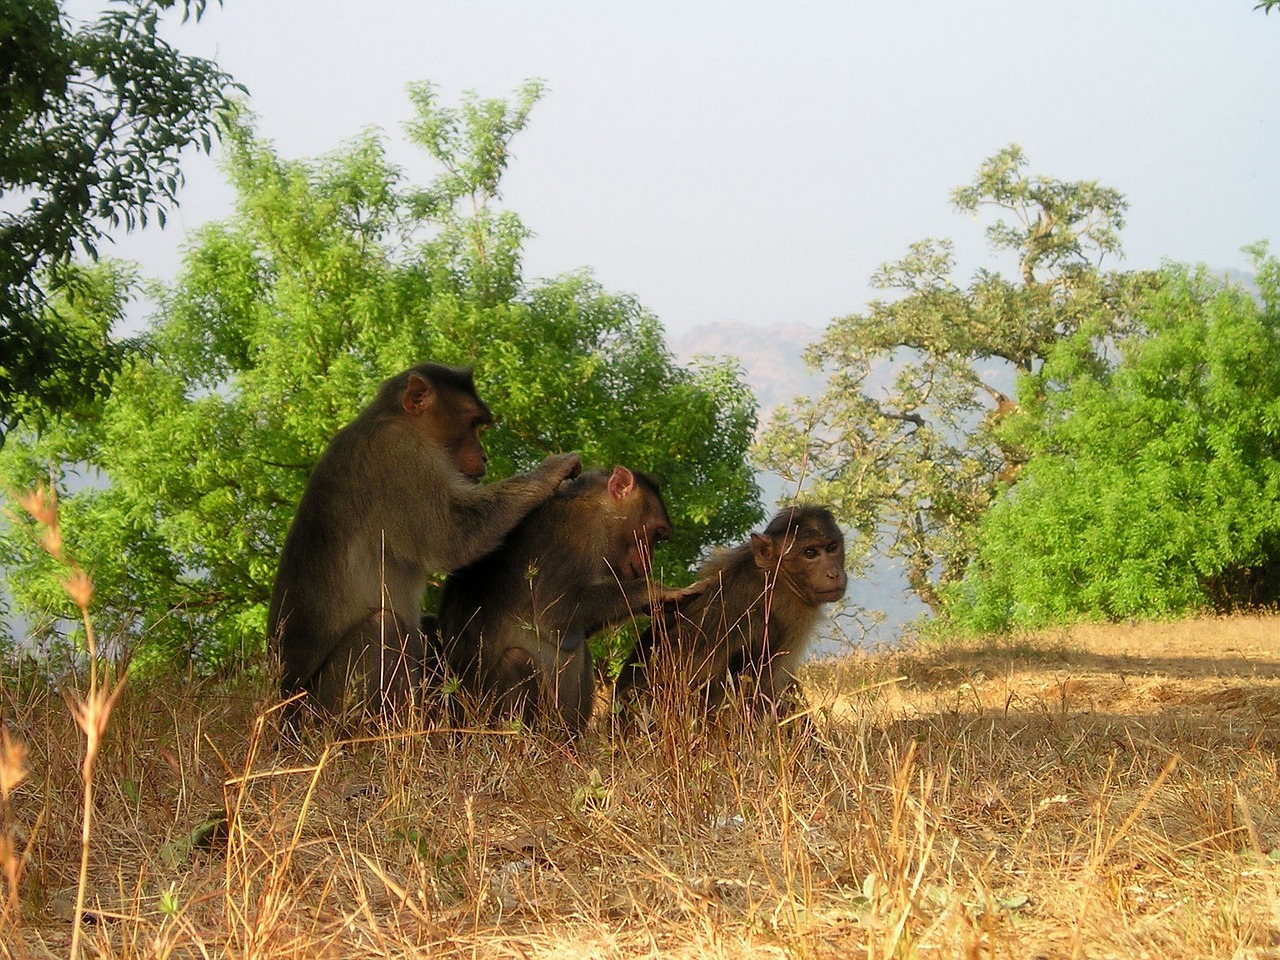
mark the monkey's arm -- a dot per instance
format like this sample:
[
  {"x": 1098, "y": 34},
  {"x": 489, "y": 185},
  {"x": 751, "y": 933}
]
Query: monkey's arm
[
  {"x": 602, "y": 605},
  {"x": 598, "y": 605},
  {"x": 480, "y": 516}
]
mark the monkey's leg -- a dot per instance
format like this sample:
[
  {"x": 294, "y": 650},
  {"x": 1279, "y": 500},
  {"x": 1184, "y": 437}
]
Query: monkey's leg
[
  {"x": 635, "y": 674},
  {"x": 377, "y": 667},
  {"x": 513, "y": 683},
  {"x": 430, "y": 626},
  {"x": 574, "y": 688},
  {"x": 777, "y": 689}
]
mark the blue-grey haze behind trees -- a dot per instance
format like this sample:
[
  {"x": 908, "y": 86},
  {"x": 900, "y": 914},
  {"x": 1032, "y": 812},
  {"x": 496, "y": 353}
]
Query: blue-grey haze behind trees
[{"x": 1064, "y": 442}]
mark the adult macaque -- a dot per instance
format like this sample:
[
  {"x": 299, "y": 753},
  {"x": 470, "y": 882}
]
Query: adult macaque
[
  {"x": 754, "y": 617},
  {"x": 394, "y": 496},
  {"x": 514, "y": 624}
]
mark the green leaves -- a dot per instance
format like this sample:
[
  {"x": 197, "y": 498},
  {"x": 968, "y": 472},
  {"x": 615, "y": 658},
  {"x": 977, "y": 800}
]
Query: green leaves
[
  {"x": 1061, "y": 227},
  {"x": 471, "y": 141},
  {"x": 1070, "y": 443},
  {"x": 1153, "y": 483},
  {"x": 917, "y": 434},
  {"x": 282, "y": 323},
  {"x": 471, "y": 144},
  {"x": 92, "y": 124}
]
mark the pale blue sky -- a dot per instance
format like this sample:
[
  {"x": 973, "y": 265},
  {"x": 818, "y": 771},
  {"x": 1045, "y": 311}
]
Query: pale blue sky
[{"x": 757, "y": 161}]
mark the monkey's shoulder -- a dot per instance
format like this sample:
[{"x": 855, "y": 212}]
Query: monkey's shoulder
[{"x": 728, "y": 563}]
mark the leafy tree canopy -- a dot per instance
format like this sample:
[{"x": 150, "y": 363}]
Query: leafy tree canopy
[
  {"x": 1153, "y": 484},
  {"x": 904, "y": 440},
  {"x": 332, "y": 275},
  {"x": 92, "y": 123}
]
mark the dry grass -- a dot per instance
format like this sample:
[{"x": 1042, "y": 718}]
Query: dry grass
[{"x": 1096, "y": 793}]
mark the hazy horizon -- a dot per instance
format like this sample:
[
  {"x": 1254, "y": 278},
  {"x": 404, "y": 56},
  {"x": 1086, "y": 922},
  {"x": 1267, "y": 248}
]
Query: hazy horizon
[{"x": 757, "y": 162}]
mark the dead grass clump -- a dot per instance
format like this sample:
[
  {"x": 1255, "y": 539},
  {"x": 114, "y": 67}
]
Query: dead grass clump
[{"x": 1007, "y": 800}]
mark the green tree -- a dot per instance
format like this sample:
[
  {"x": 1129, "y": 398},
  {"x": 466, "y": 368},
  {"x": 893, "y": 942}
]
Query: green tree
[
  {"x": 92, "y": 124},
  {"x": 331, "y": 276},
  {"x": 1153, "y": 487},
  {"x": 904, "y": 440}
]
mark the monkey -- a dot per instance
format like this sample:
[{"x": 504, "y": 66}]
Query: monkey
[
  {"x": 754, "y": 617},
  {"x": 514, "y": 624},
  {"x": 395, "y": 495}
]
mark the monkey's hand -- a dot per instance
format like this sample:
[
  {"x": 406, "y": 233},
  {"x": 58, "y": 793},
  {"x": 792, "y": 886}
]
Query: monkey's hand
[
  {"x": 675, "y": 595},
  {"x": 559, "y": 467}
]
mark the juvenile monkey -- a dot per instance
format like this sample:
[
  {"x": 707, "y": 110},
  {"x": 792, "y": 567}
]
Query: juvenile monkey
[
  {"x": 394, "y": 496},
  {"x": 754, "y": 617},
  {"x": 514, "y": 624}
]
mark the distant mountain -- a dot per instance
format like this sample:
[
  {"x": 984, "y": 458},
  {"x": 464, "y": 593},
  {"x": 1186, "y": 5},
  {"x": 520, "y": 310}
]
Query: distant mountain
[
  {"x": 771, "y": 357},
  {"x": 1241, "y": 278}
]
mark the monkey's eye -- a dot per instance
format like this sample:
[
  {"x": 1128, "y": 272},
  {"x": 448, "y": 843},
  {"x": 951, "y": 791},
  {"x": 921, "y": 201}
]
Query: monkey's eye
[{"x": 810, "y": 552}]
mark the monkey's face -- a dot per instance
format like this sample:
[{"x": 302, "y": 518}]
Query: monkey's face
[
  {"x": 815, "y": 566},
  {"x": 654, "y": 528},
  {"x": 467, "y": 420},
  {"x": 805, "y": 547},
  {"x": 469, "y": 457},
  {"x": 636, "y": 521},
  {"x": 450, "y": 416}
]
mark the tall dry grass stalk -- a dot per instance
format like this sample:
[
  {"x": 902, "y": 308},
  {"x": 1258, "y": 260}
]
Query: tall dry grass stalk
[
  {"x": 91, "y": 707},
  {"x": 13, "y": 770}
]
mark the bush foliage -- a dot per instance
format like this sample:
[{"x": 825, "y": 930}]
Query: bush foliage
[
  {"x": 331, "y": 276},
  {"x": 1152, "y": 486},
  {"x": 1060, "y": 443},
  {"x": 93, "y": 122}
]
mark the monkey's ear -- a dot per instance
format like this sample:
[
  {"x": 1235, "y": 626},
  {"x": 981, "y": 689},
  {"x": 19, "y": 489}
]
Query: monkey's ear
[
  {"x": 621, "y": 483},
  {"x": 419, "y": 395},
  {"x": 764, "y": 549}
]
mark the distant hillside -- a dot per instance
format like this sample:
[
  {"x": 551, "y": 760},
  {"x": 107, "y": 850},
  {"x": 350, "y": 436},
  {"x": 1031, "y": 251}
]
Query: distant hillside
[
  {"x": 1241, "y": 278},
  {"x": 772, "y": 357}
]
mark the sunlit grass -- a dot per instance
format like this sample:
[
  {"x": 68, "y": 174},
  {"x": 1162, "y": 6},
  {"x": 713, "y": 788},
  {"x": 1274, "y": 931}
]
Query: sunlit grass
[{"x": 1091, "y": 793}]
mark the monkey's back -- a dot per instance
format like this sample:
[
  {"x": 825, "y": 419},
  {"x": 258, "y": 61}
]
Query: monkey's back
[
  {"x": 505, "y": 588},
  {"x": 341, "y": 527}
]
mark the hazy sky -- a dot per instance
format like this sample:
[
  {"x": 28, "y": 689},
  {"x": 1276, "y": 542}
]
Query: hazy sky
[{"x": 757, "y": 161}]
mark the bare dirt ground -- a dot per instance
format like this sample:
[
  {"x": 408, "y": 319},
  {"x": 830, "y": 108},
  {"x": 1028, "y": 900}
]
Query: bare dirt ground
[{"x": 1160, "y": 739}]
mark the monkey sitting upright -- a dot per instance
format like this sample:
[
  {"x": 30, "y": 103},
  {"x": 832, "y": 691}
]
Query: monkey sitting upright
[
  {"x": 393, "y": 497},
  {"x": 514, "y": 625},
  {"x": 754, "y": 617}
]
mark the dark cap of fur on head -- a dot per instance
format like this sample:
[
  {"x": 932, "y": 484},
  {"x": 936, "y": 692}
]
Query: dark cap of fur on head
[
  {"x": 456, "y": 378},
  {"x": 802, "y": 520}
]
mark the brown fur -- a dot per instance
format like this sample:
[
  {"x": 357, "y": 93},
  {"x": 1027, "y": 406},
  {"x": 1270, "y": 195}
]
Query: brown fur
[
  {"x": 393, "y": 497},
  {"x": 755, "y": 615},
  {"x": 514, "y": 624}
]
